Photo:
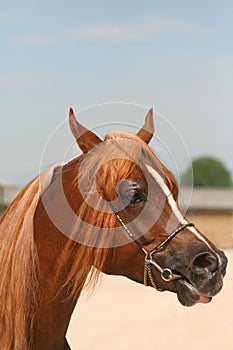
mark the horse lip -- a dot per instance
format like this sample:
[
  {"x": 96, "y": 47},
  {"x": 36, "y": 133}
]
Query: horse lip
[{"x": 189, "y": 294}]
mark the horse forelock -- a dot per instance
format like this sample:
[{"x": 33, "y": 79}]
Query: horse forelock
[{"x": 118, "y": 157}]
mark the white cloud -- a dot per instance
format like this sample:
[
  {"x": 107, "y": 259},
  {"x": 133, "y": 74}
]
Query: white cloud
[
  {"x": 145, "y": 29},
  {"x": 139, "y": 31}
]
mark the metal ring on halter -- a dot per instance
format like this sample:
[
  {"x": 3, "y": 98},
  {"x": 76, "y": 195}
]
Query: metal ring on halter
[{"x": 167, "y": 275}]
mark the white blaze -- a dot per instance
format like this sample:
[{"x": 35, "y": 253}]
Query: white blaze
[{"x": 171, "y": 201}]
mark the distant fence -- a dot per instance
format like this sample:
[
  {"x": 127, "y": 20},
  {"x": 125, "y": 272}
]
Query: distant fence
[
  {"x": 8, "y": 192},
  {"x": 211, "y": 209}
]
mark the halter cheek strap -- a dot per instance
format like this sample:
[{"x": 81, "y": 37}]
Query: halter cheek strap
[{"x": 166, "y": 274}]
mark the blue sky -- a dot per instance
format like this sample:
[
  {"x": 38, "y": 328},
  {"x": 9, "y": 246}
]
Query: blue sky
[{"x": 174, "y": 55}]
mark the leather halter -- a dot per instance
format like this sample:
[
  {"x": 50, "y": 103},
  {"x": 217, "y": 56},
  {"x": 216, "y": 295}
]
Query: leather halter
[{"x": 166, "y": 273}]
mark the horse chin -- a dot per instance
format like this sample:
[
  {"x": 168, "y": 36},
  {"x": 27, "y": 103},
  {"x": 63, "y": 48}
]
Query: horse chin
[{"x": 188, "y": 294}]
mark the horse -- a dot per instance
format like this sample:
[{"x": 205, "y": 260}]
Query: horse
[{"x": 112, "y": 209}]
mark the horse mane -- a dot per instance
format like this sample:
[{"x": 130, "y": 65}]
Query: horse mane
[{"x": 18, "y": 266}]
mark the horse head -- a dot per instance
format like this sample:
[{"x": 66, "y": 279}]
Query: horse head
[{"x": 132, "y": 198}]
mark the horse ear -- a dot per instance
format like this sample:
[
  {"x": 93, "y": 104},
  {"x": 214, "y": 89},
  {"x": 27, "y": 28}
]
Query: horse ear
[
  {"x": 147, "y": 131},
  {"x": 85, "y": 138}
]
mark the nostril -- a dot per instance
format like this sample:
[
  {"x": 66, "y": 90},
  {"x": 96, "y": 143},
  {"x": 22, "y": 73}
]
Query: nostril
[{"x": 205, "y": 261}]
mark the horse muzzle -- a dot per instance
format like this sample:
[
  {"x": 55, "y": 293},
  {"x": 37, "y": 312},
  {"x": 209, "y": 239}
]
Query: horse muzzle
[{"x": 201, "y": 279}]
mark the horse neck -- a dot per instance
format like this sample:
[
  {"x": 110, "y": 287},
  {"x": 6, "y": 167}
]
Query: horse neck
[{"x": 56, "y": 254}]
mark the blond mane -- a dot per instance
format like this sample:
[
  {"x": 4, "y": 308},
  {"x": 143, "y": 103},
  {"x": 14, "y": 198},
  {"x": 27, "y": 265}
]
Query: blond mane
[{"x": 18, "y": 265}]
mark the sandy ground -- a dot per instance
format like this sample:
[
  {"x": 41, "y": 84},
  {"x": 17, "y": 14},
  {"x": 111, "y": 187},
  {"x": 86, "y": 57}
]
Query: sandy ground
[{"x": 122, "y": 315}]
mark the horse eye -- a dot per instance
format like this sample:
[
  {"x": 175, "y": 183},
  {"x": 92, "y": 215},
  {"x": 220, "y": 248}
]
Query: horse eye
[
  {"x": 131, "y": 192},
  {"x": 135, "y": 197}
]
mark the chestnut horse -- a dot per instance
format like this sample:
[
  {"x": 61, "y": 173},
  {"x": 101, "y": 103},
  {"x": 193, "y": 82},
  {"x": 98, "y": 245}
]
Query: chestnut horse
[{"x": 113, "y": 209}]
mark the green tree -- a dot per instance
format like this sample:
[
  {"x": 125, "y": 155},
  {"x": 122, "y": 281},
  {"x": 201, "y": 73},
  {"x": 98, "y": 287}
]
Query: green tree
[{"x": 207, "y": 172}]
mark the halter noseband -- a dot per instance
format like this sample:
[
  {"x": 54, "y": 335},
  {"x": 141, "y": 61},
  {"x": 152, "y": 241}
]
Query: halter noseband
[{"x": 166, "y": 274}]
